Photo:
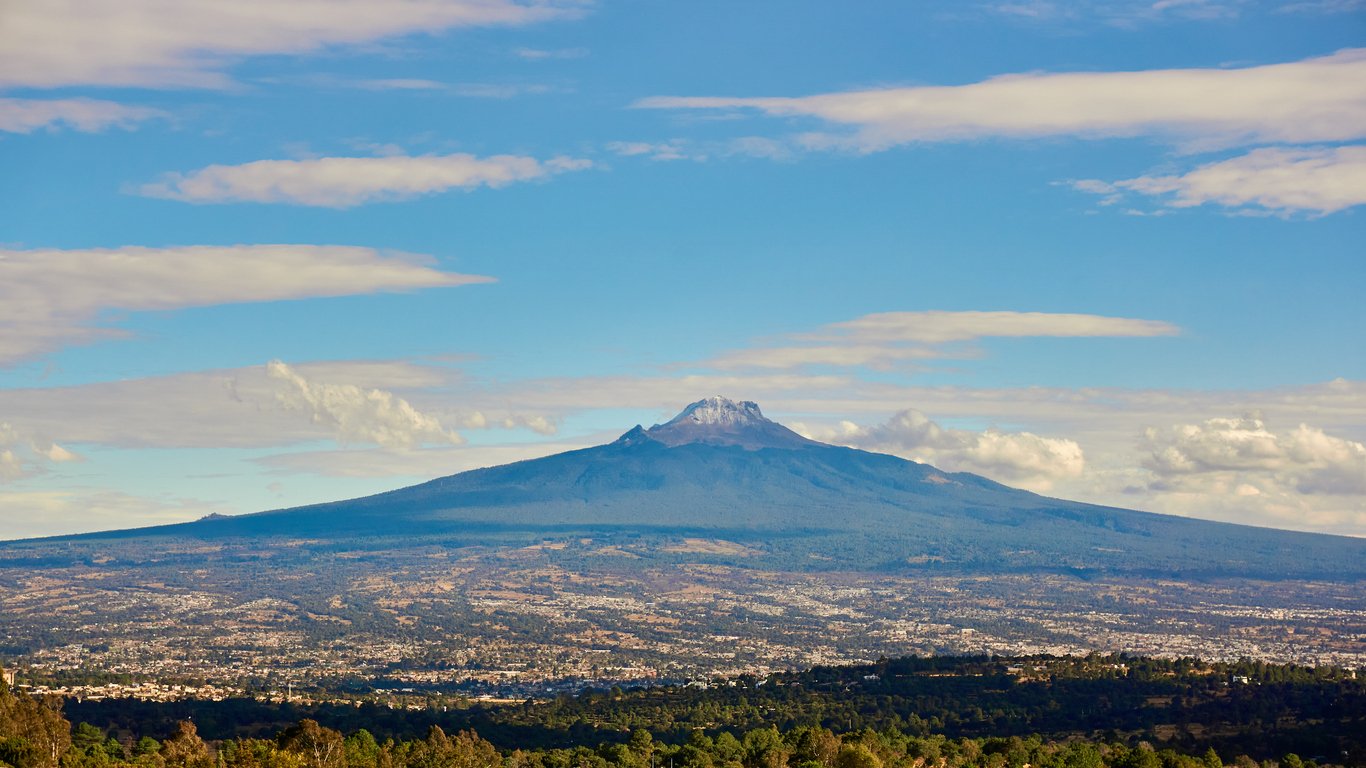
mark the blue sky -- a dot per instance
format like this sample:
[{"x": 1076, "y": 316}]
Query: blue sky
[{"x": 256, "y": 255}]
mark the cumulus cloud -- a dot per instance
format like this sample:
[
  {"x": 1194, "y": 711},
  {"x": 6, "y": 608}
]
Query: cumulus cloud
[
  {"x": 1245, "y": 454},
  {"x": 243, "y": 408},
  {"x": 1021, "y": 458},
  {"x": 343, "y": 182},
  {"x": 23, "y": 453},
  {"x": 539, "y": 423},
  {"x": 358, "y": 415},
  {"x": 86, "y": 115},
  {"x": 52, "y": 297},
  {"x": 10, "y": 466},
  {"x": 884, "y": 339},
  {"x": 1319, "y": 180},
  {"x": 189, "y": 43},
  {"x": 1313, "y": 100}
]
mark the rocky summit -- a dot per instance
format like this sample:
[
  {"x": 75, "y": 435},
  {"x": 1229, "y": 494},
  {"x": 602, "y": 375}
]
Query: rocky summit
[{"x": 719, "y": 421}]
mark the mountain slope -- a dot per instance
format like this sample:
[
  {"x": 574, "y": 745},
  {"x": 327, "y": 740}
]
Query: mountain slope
[{"x": 722, "y": 469}]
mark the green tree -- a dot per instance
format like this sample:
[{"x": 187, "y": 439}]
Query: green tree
[
  {"x": 360, "y": 750},
  {"x": 33, "y": 732},
  {"x": 857, "y": 756},
  {"x": 320, "y": 747},
  {"x": 184, "y": 748},
  {"x": 816, "y": 745},
  {"x": 764, "y": 748},
  {"x": 1082, "y": 755},
  {"x": 642, "y": 744},
  {"x": 84, "y": 736},
  {"x": 464, "y": 750}
]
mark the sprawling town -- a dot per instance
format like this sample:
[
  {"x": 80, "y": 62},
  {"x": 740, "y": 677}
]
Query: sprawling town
[{"x": 493, "y": 625}]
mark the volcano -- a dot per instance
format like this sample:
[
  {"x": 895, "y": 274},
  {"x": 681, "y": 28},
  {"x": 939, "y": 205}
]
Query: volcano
[{"x": 722, "y": 469}]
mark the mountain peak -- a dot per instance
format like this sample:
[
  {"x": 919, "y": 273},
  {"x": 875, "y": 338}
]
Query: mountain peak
[
  {"x": 720, "y": 421},
  {"x": 720, "y": 410}
]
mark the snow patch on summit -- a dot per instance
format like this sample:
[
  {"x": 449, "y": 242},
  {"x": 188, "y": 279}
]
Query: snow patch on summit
[
  {"x": 720, "y": 421},
  {"x": 720, "y": 411}
]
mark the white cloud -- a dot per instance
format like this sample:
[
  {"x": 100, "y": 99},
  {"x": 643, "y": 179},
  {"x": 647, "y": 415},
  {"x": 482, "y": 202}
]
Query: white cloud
[
  {"x": 399, "y": 84},
  {"x": 684, "y": 149},
  {"x": 87, "y": 115},
  {"x": 536, "y": 422},
  {"x": 11, "y": 468},
  {"x": 1320, "y": 180},
  {"x": 242, "y": 408},
  {"x": 885, "y": 339},
  {"x": 1128, "y": 15},
  {"x": 669, "y": 150},
  {"x": 499, "y": 90},
  {"x": 1242, "y": 470},
  {"x": 760, "y": 147},
  {"x": 52, "y": 297},
  {"x": 189, "y": 43},
  {"x": 23, "y": 454},
  {"x": 1244, "y": 453},
  {"x": 840, "y": 355},
  {"x": 1324, "y": 6},
  {"x": 470, "y": 90},
  {"x": 357, "y": 414},
  {"x": 1120, "y": 13},
  {"x": 1019, "y": 458},
  {"x": 1032, "y": 9},
  {"x": 542, "y": 54},
  {"x": 937, "y": 327},
  {"x": 1318, "y": 99},
  {"x": 342, "y": 182}
]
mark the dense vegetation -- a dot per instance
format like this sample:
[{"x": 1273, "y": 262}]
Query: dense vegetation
[{"x": 1093, "y": 711}]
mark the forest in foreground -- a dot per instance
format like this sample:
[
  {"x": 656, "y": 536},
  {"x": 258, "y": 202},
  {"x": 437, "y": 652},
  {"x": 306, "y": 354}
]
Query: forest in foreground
[{"x": 946, "y": 712}]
